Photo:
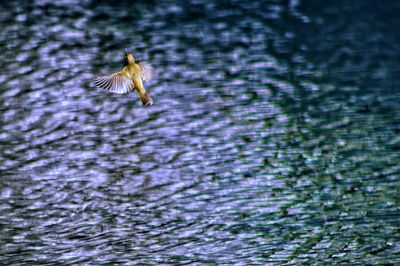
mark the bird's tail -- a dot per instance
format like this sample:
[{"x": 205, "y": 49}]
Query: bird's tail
[{"x": 145, "y": 97}]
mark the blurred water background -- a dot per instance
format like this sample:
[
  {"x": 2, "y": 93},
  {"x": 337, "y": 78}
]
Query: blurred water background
[{"x": 273, "y": 138}]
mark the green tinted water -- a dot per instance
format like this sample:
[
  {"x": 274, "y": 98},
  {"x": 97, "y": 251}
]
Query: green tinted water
[{"x": 273, "y": 138}]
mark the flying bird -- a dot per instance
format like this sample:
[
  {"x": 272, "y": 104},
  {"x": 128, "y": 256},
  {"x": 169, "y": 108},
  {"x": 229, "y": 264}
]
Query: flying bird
[{"x": 130, "y": 78}]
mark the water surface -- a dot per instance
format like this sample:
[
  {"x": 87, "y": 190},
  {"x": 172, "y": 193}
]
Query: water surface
[{"x": 273, "y": 138}]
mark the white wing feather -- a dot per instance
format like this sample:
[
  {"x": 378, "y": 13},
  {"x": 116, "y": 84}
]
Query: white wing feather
[
  {"x": 116, "y": 83},
  {"x": 147, "y": 71}
]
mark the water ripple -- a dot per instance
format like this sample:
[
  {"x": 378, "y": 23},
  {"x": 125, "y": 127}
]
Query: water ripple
[{"x": 272, "y": 140}]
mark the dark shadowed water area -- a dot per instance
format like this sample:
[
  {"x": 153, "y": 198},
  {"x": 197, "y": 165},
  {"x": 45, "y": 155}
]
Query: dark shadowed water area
[{"x": 274, "y": 138}]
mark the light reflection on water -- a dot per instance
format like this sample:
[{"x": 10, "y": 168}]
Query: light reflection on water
[{"x": 273, "y": 137}]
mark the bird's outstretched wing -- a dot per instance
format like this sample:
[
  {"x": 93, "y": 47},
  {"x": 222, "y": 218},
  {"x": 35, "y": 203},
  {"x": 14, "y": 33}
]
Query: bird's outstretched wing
[
  {"x": 147, "y": 71},
  {"x": 117, "y": 83}
]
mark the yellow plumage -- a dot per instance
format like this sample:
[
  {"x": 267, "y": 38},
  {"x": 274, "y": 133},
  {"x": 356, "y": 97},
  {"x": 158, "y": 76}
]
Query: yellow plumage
[{"x": 128, "y": 79}]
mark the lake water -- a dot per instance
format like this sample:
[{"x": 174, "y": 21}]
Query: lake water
[{"x": 274, "y": 138}]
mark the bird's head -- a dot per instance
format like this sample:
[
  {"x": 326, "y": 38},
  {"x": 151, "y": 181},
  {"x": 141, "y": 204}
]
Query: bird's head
[{"x": 128, "y": 58}]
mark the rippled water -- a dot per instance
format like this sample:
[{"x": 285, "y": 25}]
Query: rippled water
[{"x": 274, "y": 137}]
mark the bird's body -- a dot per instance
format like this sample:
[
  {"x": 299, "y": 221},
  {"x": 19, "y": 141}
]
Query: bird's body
[{"x": 130, "y": 78}]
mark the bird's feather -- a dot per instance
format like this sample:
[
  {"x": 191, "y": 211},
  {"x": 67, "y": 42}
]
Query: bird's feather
[
  {"x": 117, "y": 83},
  {"x": 147, "y": 70}
]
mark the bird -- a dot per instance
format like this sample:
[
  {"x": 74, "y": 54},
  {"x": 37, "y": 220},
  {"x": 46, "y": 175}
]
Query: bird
[{"x": 129, "y": 79}]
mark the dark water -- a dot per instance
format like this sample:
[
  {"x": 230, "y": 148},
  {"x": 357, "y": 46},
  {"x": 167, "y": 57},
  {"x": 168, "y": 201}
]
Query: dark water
[{"x": 274, "y": 137}]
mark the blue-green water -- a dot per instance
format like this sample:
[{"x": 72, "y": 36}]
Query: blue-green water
[{"x": 274, "y": 137}]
